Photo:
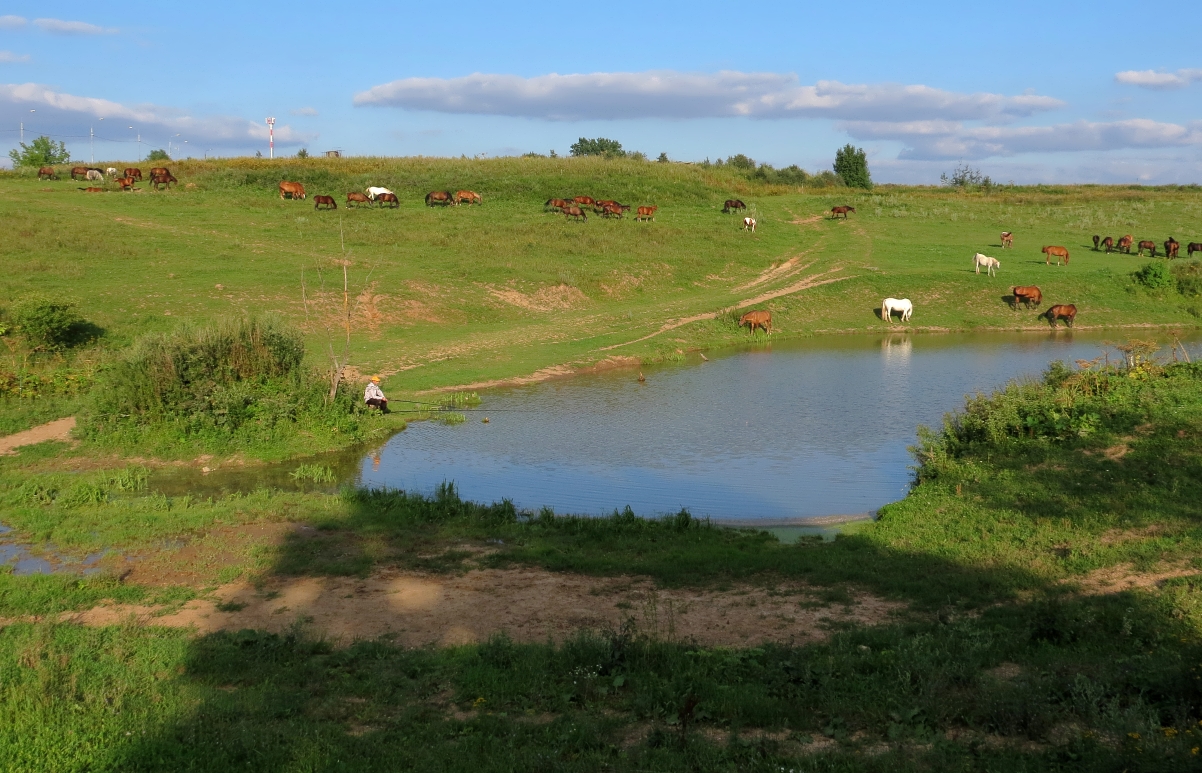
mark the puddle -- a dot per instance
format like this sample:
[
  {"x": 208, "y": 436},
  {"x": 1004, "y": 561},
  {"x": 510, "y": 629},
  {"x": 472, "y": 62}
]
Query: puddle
[{"x": 19, "y": 557}]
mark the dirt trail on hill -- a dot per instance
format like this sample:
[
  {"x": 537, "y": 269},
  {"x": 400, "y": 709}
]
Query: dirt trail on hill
[
  {"x": 530, "y": 605},
  {"x": 59, "y": 429}
]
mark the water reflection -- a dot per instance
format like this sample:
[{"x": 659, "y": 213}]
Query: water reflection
[{"x": 791, "y": 430}]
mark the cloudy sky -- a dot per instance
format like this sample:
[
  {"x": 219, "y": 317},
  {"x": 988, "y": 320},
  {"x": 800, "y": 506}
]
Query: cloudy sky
[{"x": 1030, "y": 92}]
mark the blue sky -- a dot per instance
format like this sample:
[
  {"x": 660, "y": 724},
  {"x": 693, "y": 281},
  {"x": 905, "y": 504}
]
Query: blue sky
[{"x": 1030, "y": 92}]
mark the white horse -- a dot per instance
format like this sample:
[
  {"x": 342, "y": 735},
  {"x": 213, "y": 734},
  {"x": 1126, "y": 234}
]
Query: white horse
[
  {"x": 900, "y": 305},
  {"x": 991, "y": 264},
  {"x": 111, "y": 172},
  {"x": 373, "y": 192},
  {"x": 95, "y": 176},
  {"x": 749, "y": 224}
]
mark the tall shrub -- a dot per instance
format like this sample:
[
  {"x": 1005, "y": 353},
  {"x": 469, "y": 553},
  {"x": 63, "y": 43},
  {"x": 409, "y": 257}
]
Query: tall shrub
[
  {"x": 851, "y": 164},
  {"x": 46, "y": 323}
]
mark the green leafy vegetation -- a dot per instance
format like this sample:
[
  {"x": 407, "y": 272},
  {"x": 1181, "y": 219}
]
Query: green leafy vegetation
[
  {"x": 158, "y": 155},
  {"x": 42, "y": 151},
  {"x": 46, "y": 323},
  {"x": 599, "y": 146},
  {"x": 851, "y": 165},
  {"x": 1155, "y": 275}
]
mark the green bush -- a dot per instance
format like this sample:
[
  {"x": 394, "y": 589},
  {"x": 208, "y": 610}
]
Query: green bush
[
  {"x": 851, "y": 164},
  {"x": 597, "y": 147},
  {"x": 46, "y": 323},
  {"x": 43, "y": 151},
  {"x": 158, "y": 155},
  {"x": 1154, "y": 276},
  {"x": 1189, "y": 278}
]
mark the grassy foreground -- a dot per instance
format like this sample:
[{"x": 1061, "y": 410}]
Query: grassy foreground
[
  {"x": 469, "y": 295},
  {"x": 1048, "y": 561}
]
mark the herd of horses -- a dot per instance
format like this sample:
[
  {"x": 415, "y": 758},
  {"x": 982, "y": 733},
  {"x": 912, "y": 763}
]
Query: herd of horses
[
  {"x": 160, "y": 177},
  {"x": 1171, "y": 247},
  {"x": 574, "y": 208}
]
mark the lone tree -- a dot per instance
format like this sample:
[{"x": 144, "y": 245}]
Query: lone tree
[
  {"x": 851, "y": 164},
  {"x": 598, "y": 147},
  {"x": 41, "y": 152},
  {"x": 158, "y": 155}
]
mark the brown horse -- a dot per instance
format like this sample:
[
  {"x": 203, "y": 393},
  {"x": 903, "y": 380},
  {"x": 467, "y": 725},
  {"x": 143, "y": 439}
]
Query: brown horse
[
  {"x": 134, "y": 172},
  {"x": 1194, "y": 247},
  {"x": 611, "y": 210},
  {"x": 646, "y": 213},
  {"x": 159, "y": 170},
  {"x": 354, "y": 197},
  {"x": 1124, "y": 244},
  {"x": 836, "y": 211},
  {"x": 47, "y": 173},
  {"x": 165, "y": 180},
  {"x": 125, "y": 183},
  {"x": 1007, "y": 239},
  {"x": 79, "y": 173},
  {"x": 324, "y": 201},
  {"x": 585, "y": 201},
  {"x": 1171, "y": 247},
  {"x": 92, "y": 190},
  {"x": 389, "y": 199},
  {"x": 732, "y": 204},
  {"x": 439, "y": 197},
  {"x": 754, "y": 319},
  {"x": 1096, "y": 239},
  {"x": 1027, "y": 295},
  {"x": 1059, "y": 252},
  {"x": 1065, "y": 312},
  {"x": 1146, "y": 245},
  {"x": 1108, "y": 243},
  {"x": 294, "y": 190},
  {"x": 553, "y": 204},
  {"x": 471, "y": 197},
  {"x": 576, "y": 213}
]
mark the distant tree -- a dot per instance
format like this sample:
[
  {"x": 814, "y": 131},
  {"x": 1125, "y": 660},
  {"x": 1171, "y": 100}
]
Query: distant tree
[
  {"x": 638, "y": 155},
  {"x": 554, "y": 154},
  {"x": 663, "y": 158},
  {"x": 158, "y": 155},
  {"x": 964, "y": 176},
  {"x": 597, "y": 147},
  {"x": 302, "y": 153},
  {"x": 851, "y": 164},
  {"x": 740, "y": 161},
  {"x": 258, "y": 154},
  {"x": 41, "y": 152}
]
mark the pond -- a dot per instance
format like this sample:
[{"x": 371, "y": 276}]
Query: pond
[{"x": 772, "y": 433}]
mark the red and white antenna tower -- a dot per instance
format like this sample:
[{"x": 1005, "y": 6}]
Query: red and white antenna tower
[{"x": 271, "y": 138}]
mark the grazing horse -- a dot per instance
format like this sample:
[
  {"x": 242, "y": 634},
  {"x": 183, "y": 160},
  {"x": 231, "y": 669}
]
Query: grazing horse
[
  {"x": 1096, "y": 239},
  {"x": 1193, "y": 247},
  {"x": 79, "y": 173},
  {"x": 611, "y": 210},
  {"x": 111, "y": 171},
  {"x": 471, "y": 197},
  {"x": 159, "y": 170},
  {"x": 1027, "y": 294},
  {"x": 134, "y": 172},
  {"x": 1059, "y": 252},
  {"x": 47, "y": 173},
  {"x": 991, "y": 264},
  {"x": 749, "y": 224},
  {"x": 1007, "y": 239},
  {"x": 646, "y": 213},
  {"x": 165, "y": 180},
  {"x": 585, "y": 201},
  {"x": 92, "y": 190},
  {"x": 836, "y": 211},
  {"x": 439, "y": 197},
  {"x": 1171, "y": 248},
  {"x": 1065, "y": 312},
  {"x": 373, "y": 192},
  {"x": 354, "y": 197},
  {"x": 554, "y": 204},
  {"x": 295, "y": 190},
  {"x": 901, "y": 305},
  {"x": 754, "y": 319},
  {"x": 125, "y": 183},
  {"x": 1108, "y": 243},
  {"x": 95, "y": 175},
  {"x": 1124, "y": 244},
  {"x": 324, "y": 201},
  {"x": 1146, "y": 245},
  {"x": 731, "y": 205},
  {"x": 389, "y": 199},
  {"x": 576, "y": 213}
]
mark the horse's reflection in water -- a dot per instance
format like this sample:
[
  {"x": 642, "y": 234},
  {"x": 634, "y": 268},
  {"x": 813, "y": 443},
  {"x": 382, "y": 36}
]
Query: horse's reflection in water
[{"x": 897, "y": 348}]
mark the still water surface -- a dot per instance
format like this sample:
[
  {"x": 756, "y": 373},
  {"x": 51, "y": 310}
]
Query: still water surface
[{"x": 782, "y": 432}]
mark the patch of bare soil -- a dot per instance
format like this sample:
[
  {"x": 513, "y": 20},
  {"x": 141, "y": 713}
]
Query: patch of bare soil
[
  {"x": 60, "y": 429},
  {"x": 1121, "y": 577},
  {"x": 529, "y": 605},
  {"x": 559, "y": 296}
]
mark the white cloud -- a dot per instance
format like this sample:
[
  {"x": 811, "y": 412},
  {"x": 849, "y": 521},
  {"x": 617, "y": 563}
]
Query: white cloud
[
  {"x": 927, "y": 140},
  {"x": 11, "y": 22},
  {"x": 1150, "y": 79},
  {"x": 9, "y": 56},
  {"x": 305, "y": 111},
  {"x": 60, "y": 27},
  {"x": 671, "y": 94},
  {"x": 64, "y": 114}
]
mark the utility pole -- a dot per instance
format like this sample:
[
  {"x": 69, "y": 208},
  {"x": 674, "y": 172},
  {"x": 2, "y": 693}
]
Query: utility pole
[
  {"x": 22, "y": 132},
  {"x": 92, "y": 141},
  {"x": 271, "y": 138}
]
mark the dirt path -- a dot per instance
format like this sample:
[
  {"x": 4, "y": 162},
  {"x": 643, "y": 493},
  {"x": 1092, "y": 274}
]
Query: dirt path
[
  {"x": 60, "y": 429},
  {"x": 529, "y": 605}
]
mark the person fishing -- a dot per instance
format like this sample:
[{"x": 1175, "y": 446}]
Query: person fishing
[{"x": 374, "y": 397}]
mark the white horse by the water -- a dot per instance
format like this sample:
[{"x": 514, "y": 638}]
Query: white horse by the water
[
  {"x": 991, "y": 264},
  {"x": 900, "y": 305}
]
